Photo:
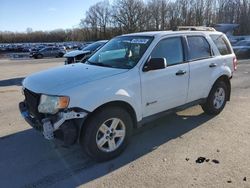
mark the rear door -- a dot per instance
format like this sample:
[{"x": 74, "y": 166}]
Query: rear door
[
  {"x": 202, "y": 64},
  {"x": 46, "y": 52},
  {"x": 54, "y": 52},
  {"x": 225, "y": 51},
  {"x": 165, "y": 88}
]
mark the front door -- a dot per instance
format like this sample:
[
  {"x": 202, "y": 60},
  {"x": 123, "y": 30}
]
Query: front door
[{"x": 165, "y": 88}]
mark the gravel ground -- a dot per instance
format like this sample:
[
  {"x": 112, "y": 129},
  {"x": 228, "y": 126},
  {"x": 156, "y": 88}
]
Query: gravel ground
[{"x": 164, "y": 153}]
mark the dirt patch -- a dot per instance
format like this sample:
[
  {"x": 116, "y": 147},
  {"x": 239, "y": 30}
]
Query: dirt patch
[{"x": 9, "y": 90}]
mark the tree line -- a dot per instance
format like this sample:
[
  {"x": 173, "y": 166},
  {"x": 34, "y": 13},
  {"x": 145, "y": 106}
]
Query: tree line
[
  {"x": 58, "y": 35},
  {"x": 104, "y": 20}
]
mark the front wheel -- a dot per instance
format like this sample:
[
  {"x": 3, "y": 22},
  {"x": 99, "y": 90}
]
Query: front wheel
[
  {"x": 217, "y": 98},
  {"x": 107, "y": 133}
]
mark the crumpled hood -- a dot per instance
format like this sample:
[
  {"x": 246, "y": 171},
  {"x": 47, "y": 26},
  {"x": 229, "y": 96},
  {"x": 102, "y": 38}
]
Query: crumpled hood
[
  {"x": 75, "y": 53},
  {"x": 55, "y": 80}
]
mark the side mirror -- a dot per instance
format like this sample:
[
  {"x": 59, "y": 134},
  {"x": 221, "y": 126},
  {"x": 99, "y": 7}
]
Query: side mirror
[{"x": 155, "y": 64}]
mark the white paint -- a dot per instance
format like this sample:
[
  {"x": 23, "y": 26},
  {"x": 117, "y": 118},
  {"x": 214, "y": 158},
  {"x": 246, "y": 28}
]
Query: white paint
[{"x": 148, "y": 93}]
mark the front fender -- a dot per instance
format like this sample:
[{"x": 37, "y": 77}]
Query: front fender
[
  {"x": 125, "y": 88},
  {"x": 120, "y": 95}
]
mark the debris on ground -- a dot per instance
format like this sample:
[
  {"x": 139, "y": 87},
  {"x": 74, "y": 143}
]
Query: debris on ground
[
  {"x": 200, "y": 160},
  {"x": 204, "y": 159},
  {"x": 229, "y": 181},
  {"x": 187, "y": 159},
  {"x": 245, "y": 179},
  {"x": 215, "y": 161}
]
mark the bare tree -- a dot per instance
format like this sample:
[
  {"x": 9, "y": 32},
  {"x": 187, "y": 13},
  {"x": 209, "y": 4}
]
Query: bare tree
[
  {"x": 103, "y": 15},
  {"x": 97, "y": 18},
  {"x": 104, "y": 20},
  {"x": 154, "y": 7},
  {"x": 128, "y": 14}
]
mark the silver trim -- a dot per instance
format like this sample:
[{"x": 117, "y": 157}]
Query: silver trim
[
  {"x": 110, "y": 135},
  {"x": 219, "y": 98}
]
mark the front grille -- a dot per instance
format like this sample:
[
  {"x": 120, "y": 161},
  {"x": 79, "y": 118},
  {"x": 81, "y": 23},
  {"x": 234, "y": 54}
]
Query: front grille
[{"x": 32, "y": 101}]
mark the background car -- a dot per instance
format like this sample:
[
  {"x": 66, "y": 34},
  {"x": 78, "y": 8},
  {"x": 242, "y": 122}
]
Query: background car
[
  {"x": 48, "y": 52},
  {"x": 242, "y": 49},
  {"x": 79, "y": 55},
  {"x": 36, "y": 48}
]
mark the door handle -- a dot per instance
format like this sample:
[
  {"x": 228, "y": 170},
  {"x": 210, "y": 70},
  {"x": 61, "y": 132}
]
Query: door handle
[
  {"x": 180, "y": 72},
  {"x": 213, "y": 65}
]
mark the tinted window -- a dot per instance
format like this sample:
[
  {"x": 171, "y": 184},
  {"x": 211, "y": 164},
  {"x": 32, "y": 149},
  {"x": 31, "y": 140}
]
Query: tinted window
[
  {"x": 171, "y": 49},
  {"x": 199, "y": 48},
  {"x": 221, "y": 44},
  {"x": 44, "y": 49},
  {"x": 93, "y": 47}
]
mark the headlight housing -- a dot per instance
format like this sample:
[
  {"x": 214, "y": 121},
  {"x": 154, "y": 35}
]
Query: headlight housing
[{"x": 52, "y": 104}]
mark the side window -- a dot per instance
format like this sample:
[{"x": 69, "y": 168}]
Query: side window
[
  {"x": 221, "y": 44},
  {"x": 171, "y": 49},
  {"x": 199, "y": 48}
]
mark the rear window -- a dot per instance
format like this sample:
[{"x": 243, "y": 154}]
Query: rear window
[
  {"x": 199, "y": 48},
  {"x": 221, "y": 43}
]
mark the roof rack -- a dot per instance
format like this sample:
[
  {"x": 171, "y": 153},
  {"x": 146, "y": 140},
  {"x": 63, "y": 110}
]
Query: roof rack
[{"x": 195, "y": 28}]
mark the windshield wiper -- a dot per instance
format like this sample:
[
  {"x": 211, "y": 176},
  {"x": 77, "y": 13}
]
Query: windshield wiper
[{"x": 98, "y": 64}]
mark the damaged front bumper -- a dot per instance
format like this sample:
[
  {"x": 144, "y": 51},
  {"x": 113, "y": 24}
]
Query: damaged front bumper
[
  {"x": 48, "y": 125},
  {"x": 32, "y": 121}
]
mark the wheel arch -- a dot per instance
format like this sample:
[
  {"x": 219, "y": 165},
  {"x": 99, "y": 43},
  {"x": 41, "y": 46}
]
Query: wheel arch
[
  {"x": 226, "y": 80},
  {"x": 117, "y": 103}
]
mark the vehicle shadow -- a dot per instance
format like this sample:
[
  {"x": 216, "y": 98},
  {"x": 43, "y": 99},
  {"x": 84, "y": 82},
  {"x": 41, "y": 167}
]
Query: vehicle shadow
[
  {"x": 11, "y": 82},
  {"x": 35, "y": 162}
]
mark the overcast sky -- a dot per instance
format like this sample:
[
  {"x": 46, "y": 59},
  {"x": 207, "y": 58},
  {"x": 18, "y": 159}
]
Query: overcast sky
[{"x": 18, "y": 15}]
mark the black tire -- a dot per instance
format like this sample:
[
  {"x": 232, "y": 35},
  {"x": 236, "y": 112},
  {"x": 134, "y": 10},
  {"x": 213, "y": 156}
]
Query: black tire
[
  {"x": 39, "y": 56},
  {"x": 89, "y": 138},
  {"x": 209, "y": 107},
  {"x": 60, "y": 55}
]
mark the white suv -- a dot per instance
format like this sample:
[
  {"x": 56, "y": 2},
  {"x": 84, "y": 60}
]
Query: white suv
[{"x": 131, "y": 80}]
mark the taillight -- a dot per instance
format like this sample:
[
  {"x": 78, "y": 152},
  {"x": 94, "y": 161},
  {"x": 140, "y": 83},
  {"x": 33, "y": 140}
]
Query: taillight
[{"x": 235, "y": 62}]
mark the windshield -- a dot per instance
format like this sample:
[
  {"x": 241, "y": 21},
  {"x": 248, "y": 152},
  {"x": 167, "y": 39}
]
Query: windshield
[
  {"x": 44, "y": 49},
  {"x": 93, "y": 47},
  {"x": 121, "y": 52}
]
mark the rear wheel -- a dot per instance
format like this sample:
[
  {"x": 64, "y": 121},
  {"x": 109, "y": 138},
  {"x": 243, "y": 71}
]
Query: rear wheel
[
  {"x": 39, "y": 56},
  {"x": 217, "y": 98},
  {"x": 107, "y": 133},
  {"x": 60, "y": 55}
]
